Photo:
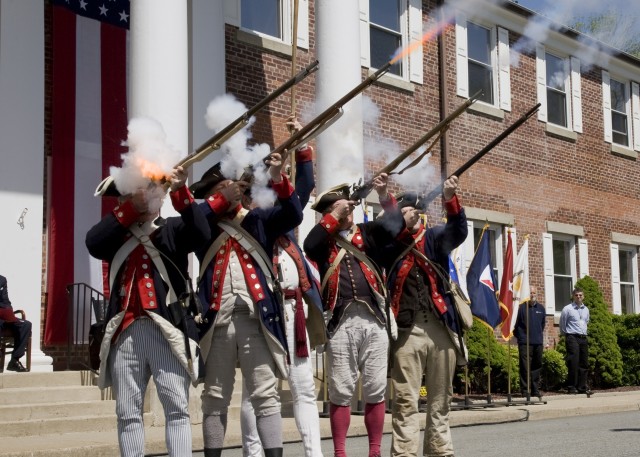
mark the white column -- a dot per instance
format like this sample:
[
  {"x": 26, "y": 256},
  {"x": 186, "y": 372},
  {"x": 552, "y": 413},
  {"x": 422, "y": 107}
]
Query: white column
[
  {"x": 340, "y": 147},
  {"x": 22, "y": 152},
  {"x": 158, "y": 85}
]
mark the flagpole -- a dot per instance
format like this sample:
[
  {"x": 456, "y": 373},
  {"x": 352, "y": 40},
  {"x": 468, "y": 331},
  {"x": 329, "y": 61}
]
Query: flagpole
[
  {"x": 526, "y": 320},
  {"x": 509, "y": 397},
  {"x": 294, "y": 52},
  {"x": 489, "y": 335}
]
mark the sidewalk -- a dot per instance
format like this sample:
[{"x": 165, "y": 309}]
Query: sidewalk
[{"x": 102, "y": 444}]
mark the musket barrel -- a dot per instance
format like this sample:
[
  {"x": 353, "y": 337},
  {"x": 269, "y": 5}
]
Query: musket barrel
[
  {"x": 465, "y": 166},
  {"x": 223, "y": 135}
]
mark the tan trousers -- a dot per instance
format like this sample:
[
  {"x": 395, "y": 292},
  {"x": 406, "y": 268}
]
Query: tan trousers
[{"x": 425, "y": 347}]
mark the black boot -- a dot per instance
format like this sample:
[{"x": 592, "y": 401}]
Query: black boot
[
  {"x": 273, "y": 452},
  {"x": 212, "y": 452}
]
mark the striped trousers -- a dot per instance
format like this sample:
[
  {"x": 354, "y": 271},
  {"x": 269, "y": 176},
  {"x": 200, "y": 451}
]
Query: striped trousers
[{"x": 139, "y": 353}]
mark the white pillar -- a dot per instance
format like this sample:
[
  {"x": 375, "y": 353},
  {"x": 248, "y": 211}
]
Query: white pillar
[
  {"x": 158, "y": 85},
  {"x": 340, "y": 147},
  {"x": 22, "y": 152}
]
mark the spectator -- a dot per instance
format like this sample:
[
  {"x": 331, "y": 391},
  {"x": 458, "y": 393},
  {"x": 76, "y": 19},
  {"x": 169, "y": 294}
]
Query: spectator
[
  {"x": 528, "y": 330},
  {"x": 21, "y": 328},
  {"x": 573, "y": 324}
]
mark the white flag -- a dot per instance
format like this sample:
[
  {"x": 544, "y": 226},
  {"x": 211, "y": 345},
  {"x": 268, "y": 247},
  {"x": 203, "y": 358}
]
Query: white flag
[{"x": 521, "y": 286}]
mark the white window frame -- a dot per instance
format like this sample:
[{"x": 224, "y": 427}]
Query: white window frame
[
  {"x": 549, "y": 274},
  {"x": 233, "y": 15},
  {"x": 632, "y": 110},
  {"x": 500, "y": 62},
  {"x": 616, "y": 282},
  {"x": 411, "y": 30},
  {"x": 573, "y": 88}
]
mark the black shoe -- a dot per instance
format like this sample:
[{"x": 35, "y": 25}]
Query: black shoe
[
  {"x": 572, "y": 390},
  {"x": 15, "y": 365},
  {"x": 585, "y": 391},
  {"x": 536, "y": 394}
]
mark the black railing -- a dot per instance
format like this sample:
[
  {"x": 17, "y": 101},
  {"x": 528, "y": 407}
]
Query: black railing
[{"x": 87, "y": 306}]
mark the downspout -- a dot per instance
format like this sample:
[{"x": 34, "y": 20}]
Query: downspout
[{"x": 444, "y": 99}]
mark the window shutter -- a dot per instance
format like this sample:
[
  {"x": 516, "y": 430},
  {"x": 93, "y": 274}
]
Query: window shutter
[
  {"x": 504, "y": 61},
  {"x": 232, "y": 12},
  {"x": 415, "y": 34},
  {"x": 615, "y": 280},
  {"x": 635, "y": 114},
  {"x": 583, "y": 252},
  {"x": 365, "y": 52},
  {"x": 549, "y": 286},
  {"x": 303, "y": 24},
  {"x": 636, "y": 287},
  {"x": 606, "y": 106},
  {"x": 541, "y": 78},
  {"x": 462, "y": 65},
  {"x": 576, "y": 94}
]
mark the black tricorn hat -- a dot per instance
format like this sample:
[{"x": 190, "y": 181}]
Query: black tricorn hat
[
  {"x": 411, "y": 199},
  {"x": 107, "y": 188},
  {"x": 330, "y": 196},
  {"x": 210, "y": 178}
]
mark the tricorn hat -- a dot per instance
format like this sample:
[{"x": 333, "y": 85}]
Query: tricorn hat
[
  {"x": 210, "y": 178},
  {"x": 107, "y": 188},
  {"x": 330, "y": 196},
  {"x": 411, "y": 199}
]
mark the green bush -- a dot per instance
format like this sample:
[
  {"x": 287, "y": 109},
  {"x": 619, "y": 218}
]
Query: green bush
[
  {"x": 628, "y": 333},
  {"x": 554, "y": 370},
  {"x": 605, "y": 359},
  {"x": 482, "y": 342}
]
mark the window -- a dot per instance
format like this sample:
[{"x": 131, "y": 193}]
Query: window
[
  {"x": 624, "y": 275},
  {"x": 385, "y": 32},
  {"x": 386, "y": 26},
  {"x": 560, "y": 269},
  {"x": 480, "y": 48},
  {"x": 619, "y": 117},
  {"x": 559, "y": 92},
  {"x": 483, "y": 62},
  {"x": 262, "y": 16},
  {"x": 557, "y": 83}
]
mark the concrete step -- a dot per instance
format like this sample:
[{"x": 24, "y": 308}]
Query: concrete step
[
  {"x": 24, "y": 412},
  {"x": 36, "y": 427},
  {"x": 56, "y": 394},
  {"x": 10, "y": 380}
]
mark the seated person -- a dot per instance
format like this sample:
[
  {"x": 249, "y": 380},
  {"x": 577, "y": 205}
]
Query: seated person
[{"x": 21, "y": 329}]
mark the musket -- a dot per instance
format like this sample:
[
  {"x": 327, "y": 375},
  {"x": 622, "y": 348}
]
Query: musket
[
  {"x": 223, "y": 135},
  {"x": 360, "y": 191},
  {"x": 329, "y": 115},
  {"x": 469, "y": 163}
]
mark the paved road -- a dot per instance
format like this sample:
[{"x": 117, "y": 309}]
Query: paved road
[{"x": 602, "y": 435}]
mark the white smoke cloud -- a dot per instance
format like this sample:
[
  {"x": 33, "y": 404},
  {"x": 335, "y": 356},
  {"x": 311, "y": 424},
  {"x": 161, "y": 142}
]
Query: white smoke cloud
[
  {"x": 238, "y": 154},
  {"x": 149, "y": 158}
]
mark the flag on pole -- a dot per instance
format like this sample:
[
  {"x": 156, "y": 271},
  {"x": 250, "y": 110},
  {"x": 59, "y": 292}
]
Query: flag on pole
[
  {"x": 521, "y": 286},
  {"x": 506, "y": 290},
  {"x": 457, "y": 269},
  {"x": 88, "y": 125},
  {"x": 482, "y": 284}
]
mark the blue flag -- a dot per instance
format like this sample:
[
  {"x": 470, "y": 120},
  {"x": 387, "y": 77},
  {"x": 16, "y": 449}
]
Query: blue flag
[{"x": 482, "y": 285}]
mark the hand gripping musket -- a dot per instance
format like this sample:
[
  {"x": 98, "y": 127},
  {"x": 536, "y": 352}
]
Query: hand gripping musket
[
  {"x": 223, "y": 135},
  {"x": 464, "y": 167},
  {"x": 360, "y": 191}
]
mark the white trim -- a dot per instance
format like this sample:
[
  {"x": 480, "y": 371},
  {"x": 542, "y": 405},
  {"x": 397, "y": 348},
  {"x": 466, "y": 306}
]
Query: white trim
[
  {"x": 549, "y": 285},
  {"x": 576, "y": 94},
  {"x": 541, "y": 82},
  {"x": 568, "y": 229},
  {"x": 415, "y": 34},
  {"x": 232, "y": 12},
  {"x": 504, "y": 69},
  {"x": 635, "y": 114},
  {"x": 615, "y": 279},
  {"x": 462, "y": 64},
  {"x": 623, "y": 238},
  {"x": 365, "y": 55},
  {"x": 468, "y": 247},
  {"x": 606, "y": 106},
  {"x": 583, "y": 252},
  {"x": 303, "y": 24}
]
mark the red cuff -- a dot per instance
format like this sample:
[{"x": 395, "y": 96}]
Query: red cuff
[
  {"x": 329, "y": 223},
  {"x": 181, "y": 198},
  {"x": 452, "y": 206},
  {"x": 218, "y": 203},
  {"x": 283, "y": 189},
  {"x": 304, "y": 154},
  {"x": 126, "y": 213},
  {"x": 389, "y": 203}
]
